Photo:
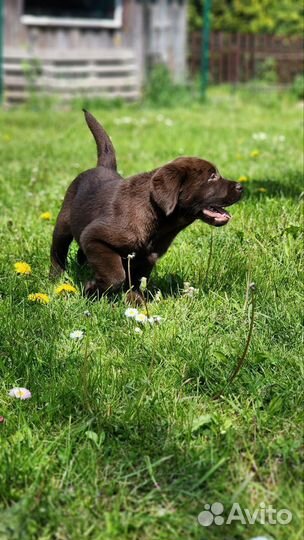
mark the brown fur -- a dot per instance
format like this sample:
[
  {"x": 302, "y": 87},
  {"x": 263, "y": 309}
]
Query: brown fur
[{"x": 110, "y": 217}]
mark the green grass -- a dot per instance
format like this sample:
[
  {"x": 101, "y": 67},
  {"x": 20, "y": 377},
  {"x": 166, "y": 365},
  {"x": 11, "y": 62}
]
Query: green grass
[{"x": 122, "y": 439}]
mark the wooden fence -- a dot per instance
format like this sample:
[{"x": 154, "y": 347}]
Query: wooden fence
[
  {"x": 240, "y": 57},
  {"x": 90, "y": 73}
]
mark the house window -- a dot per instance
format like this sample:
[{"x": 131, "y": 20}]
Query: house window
[{"x": 72, "y": 12}]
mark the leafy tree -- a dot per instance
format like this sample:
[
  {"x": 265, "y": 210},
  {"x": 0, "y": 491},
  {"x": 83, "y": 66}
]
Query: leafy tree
[{"x": 284, "y": 17}]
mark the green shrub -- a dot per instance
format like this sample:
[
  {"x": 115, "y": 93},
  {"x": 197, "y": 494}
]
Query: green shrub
[
  {"x": 160, "y": 89},
  {"x": 254, "y": 16},
  {"x": 298, "y": 86},
  {"x": 267, "y": 71}
]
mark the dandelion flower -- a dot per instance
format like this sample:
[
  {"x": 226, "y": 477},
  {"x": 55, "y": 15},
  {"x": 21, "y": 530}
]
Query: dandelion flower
[
  {"x": 41, "y": 298},
  {"x": 243, "y": 179},
  {"x": 20, "y": 393},
  {"x": 254, "y": 153},
  {"x": 23, "y": 268},
  {"x": 131, "y": 313},
  {"x": 65, "y": 288},
  {"x": 137, "y": 330},
  {"x": 77, "y": 335},
  {"x": 46, "y": 216},
  {"x": 141, "y": 318},
  {"x": 158, "y": 296},
  {"x": 262, "y": 190},
  {"x": 143, "y": 283}
]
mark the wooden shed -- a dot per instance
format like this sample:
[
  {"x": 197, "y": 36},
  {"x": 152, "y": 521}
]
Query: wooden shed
[{"x": 94, "y": 47}]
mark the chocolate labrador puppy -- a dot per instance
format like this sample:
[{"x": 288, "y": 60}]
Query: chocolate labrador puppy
[{"x": 112, "y": 218}]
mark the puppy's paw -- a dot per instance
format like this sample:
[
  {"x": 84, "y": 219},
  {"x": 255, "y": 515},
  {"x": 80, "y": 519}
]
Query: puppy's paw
[
  {"x": 91, "y": 289},
  {"x": 134, "y": 298},
  {"x": 55, "y": 272}
]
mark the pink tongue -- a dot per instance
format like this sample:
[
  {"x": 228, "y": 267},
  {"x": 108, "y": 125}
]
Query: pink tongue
[{"x": 220, "y": 218}]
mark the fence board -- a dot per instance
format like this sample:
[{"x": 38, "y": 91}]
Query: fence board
[
  {"x": 95, "y": 72},
  {"x": 237, "y": 57}
]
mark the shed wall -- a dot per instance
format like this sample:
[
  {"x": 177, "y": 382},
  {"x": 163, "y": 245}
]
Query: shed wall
[{"x": 155, "y": 33}]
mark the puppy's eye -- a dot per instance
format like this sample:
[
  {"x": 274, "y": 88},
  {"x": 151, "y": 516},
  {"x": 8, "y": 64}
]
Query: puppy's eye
[{"x": 213, "y": 177}]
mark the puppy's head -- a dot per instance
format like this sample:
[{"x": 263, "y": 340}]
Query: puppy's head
[{"x": 196, "y": 188}]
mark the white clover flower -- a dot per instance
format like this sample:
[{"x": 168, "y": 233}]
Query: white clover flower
[
  {"x": 20, "y": 393},
  {"x": 188, "y": 290},
  {"x": 169, "y": 122},
  {"x": 260, "y": 538},
  {"x": 123, "y": 120},
  {"x": 131, "y": 255},
  {"x": 155, "y": 319},
  {"x": 77, "y": 334},
  {"x": 141, "y": 318},
  {"x": 260, "y": 136},
  {"x": 131, "y": 313},
  {"x": 87, "y": 313},
  {"x": 137, "y": 330}
]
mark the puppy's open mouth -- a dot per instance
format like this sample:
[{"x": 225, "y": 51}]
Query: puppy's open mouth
[{"x": 218, "y": 214}]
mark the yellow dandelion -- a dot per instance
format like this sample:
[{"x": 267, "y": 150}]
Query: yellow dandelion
[
  {"x": 65, "y": 288},
  {"x": 243, "y": 179},
  {"x": 262, "y": 190},
  {"x": 41, "y": 298},
  {"x": 23, "y": 268},
  {"x": 46, "y": 216},
  {"x": 255, "y": 153}
]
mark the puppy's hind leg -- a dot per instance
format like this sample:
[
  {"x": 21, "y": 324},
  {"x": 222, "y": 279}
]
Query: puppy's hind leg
[
  {"x": 62, "y": 237},
  {"x": 104, "y": 261}
]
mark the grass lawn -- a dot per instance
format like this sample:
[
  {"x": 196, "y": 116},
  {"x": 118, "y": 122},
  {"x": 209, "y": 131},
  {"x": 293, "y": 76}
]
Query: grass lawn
[{"x": 122, "y": 438}]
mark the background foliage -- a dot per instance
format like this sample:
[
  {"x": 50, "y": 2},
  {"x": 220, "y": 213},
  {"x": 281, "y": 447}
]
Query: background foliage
[{"x": 254, "y": 16}]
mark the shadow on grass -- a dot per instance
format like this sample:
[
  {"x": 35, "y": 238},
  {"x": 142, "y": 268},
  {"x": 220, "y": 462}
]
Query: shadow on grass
[
  {"x": 170, "y": 285},
  {"x": 291, "y": 190}
]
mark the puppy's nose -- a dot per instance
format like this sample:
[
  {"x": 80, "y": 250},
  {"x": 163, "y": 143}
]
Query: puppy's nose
[{"x": 239, "y": 187}]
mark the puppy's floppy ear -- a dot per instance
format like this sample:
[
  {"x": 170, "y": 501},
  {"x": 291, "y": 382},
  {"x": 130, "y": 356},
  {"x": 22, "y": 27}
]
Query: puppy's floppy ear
[{"x": 166, "y": 185}]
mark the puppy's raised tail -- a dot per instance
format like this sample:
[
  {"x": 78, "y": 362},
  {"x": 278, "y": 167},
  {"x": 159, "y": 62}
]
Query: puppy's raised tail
[{"x": 105, "y": 149}]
